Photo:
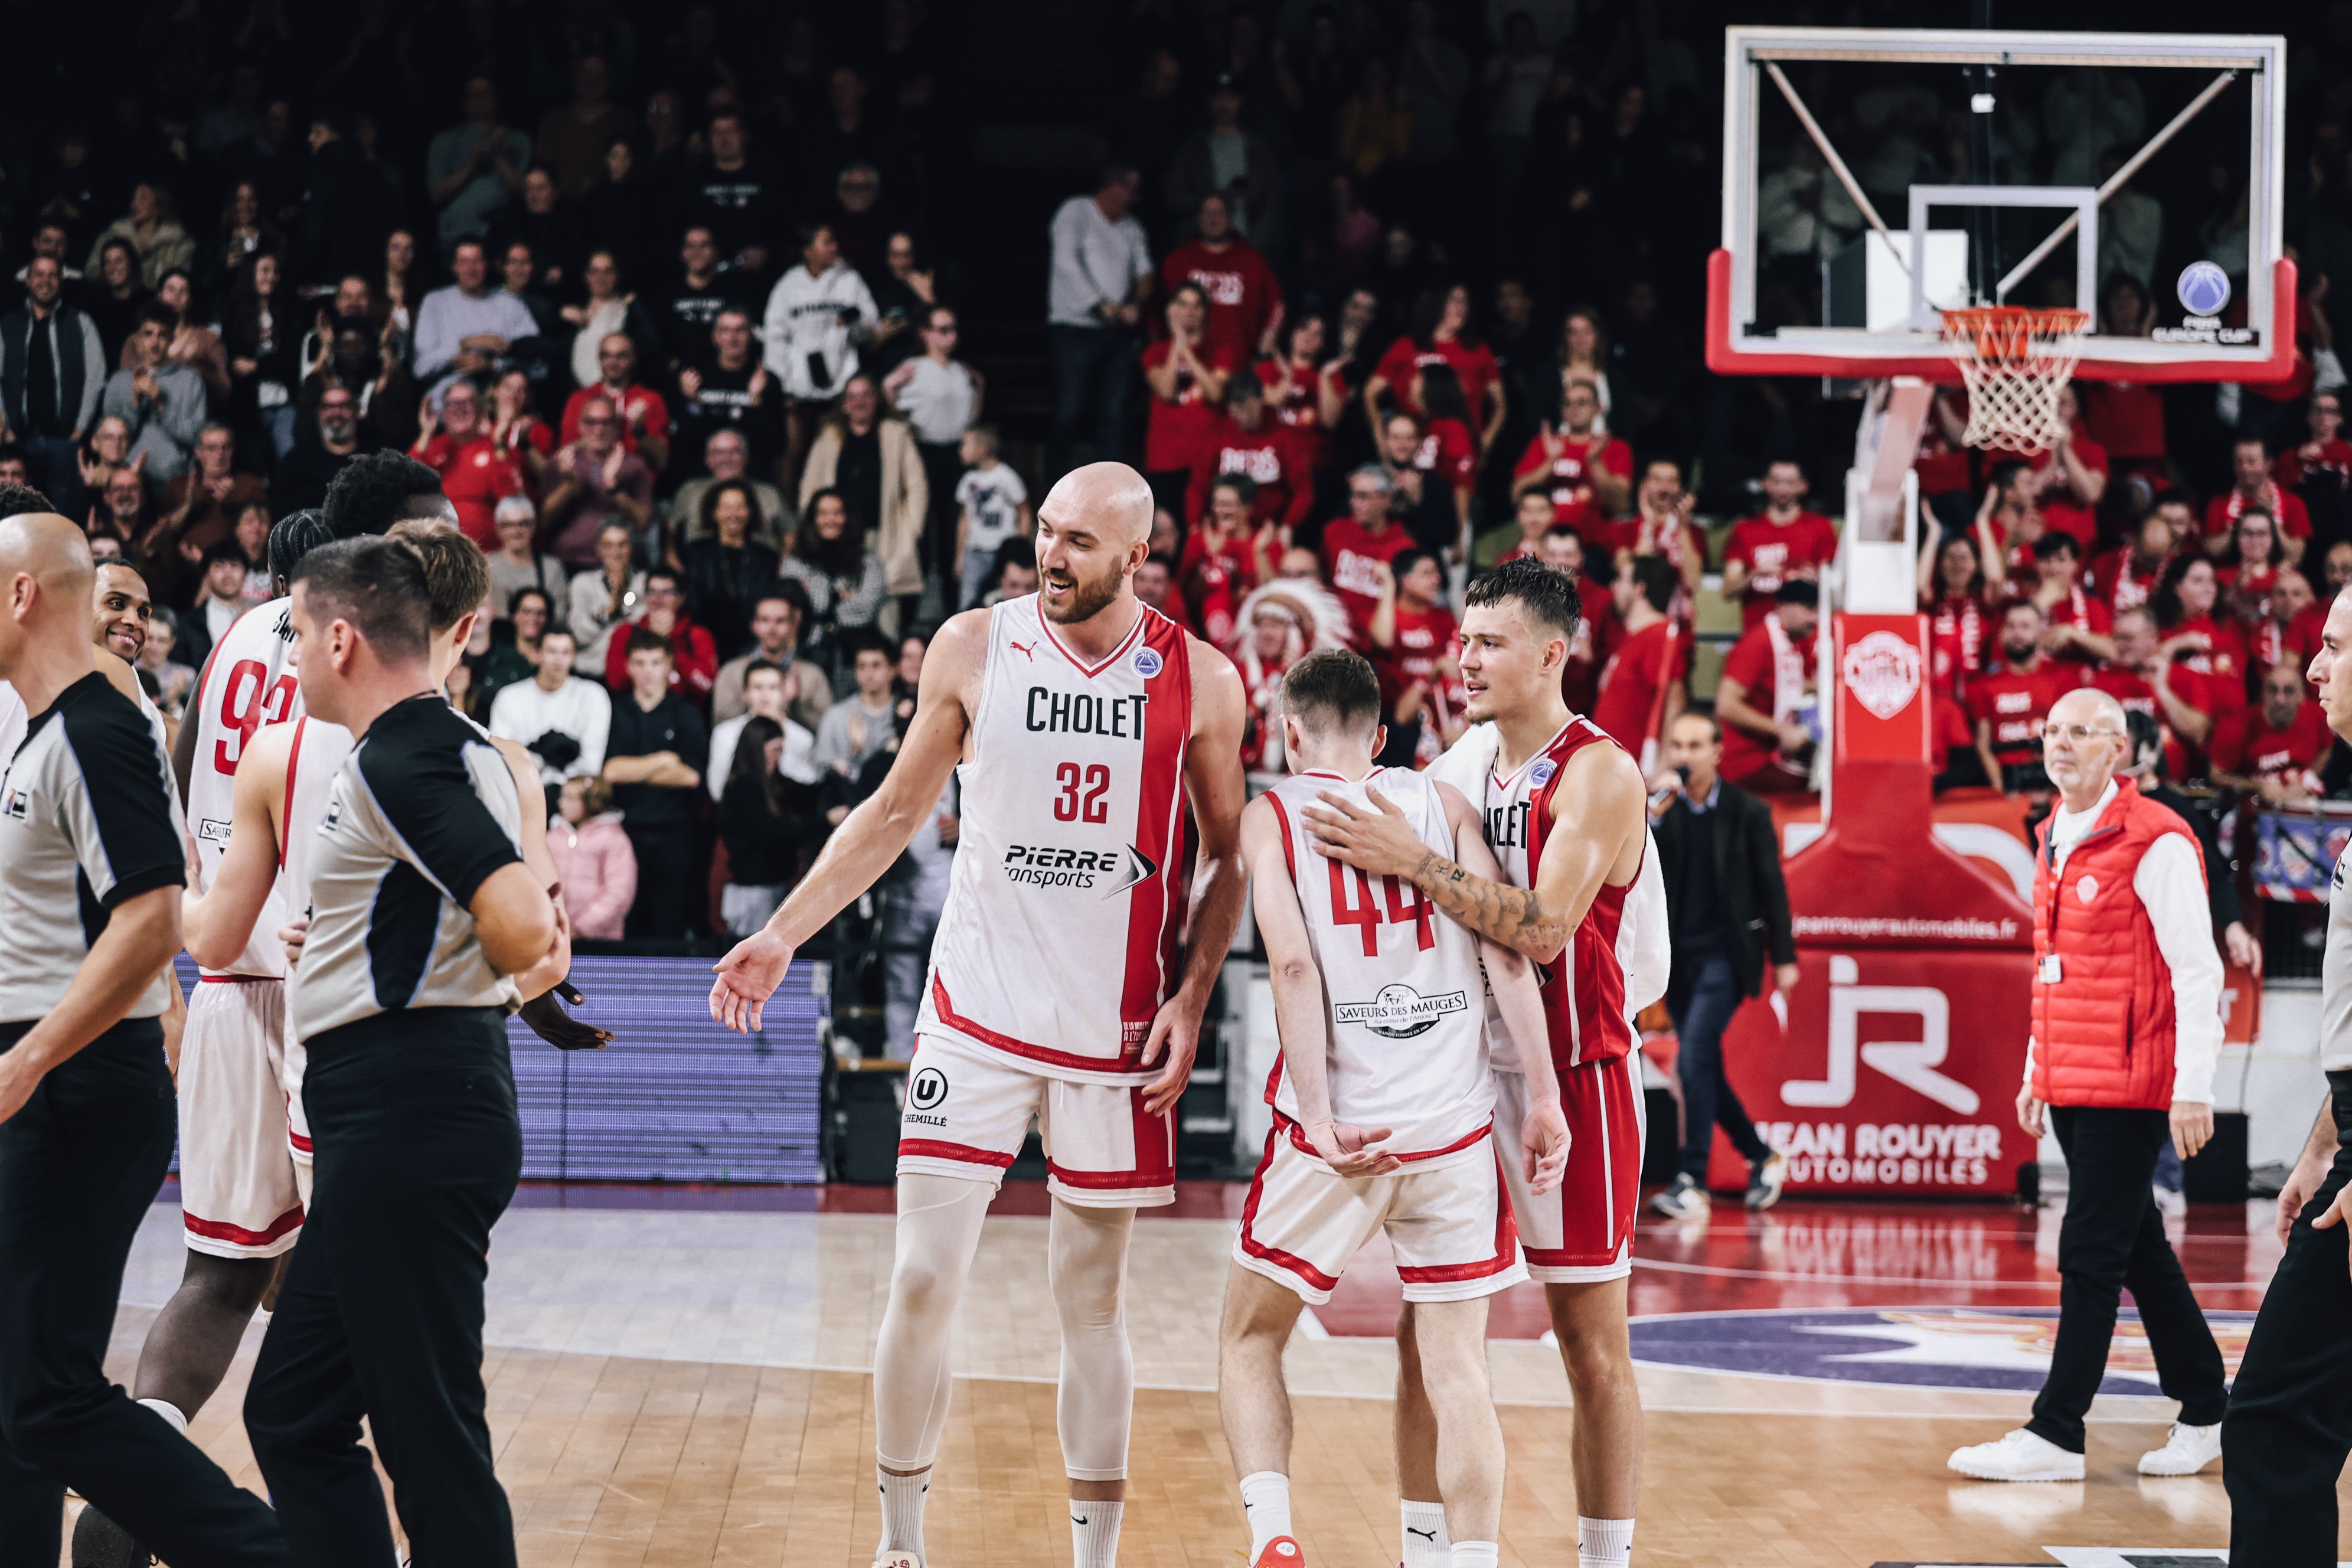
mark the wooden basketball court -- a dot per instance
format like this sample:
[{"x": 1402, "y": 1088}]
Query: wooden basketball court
[{"x": 689, "y": 1385}]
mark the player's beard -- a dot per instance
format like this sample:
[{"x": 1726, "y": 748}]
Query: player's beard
[{"x": 1085, "y": 600}]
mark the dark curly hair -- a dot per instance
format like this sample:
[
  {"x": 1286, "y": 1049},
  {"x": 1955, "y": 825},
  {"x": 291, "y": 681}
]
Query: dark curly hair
[{"x": 372, "y": 492}]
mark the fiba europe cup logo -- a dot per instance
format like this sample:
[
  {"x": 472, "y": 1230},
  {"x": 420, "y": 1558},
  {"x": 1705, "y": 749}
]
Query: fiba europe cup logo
[{"x": 1882, "y": 670}]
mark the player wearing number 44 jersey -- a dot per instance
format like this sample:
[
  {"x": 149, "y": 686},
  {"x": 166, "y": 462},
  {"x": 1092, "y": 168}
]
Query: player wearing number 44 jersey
[
  {"x": 1082, "y": 724},
  {"x": 1579, "y": 894},
  {"x": 1383, "y": 1119}
]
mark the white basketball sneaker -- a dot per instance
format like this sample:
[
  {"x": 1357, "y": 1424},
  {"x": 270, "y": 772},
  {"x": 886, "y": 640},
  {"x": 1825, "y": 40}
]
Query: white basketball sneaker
[
  {"x": 2018, "y": 1457},
  {"x": 2187, "y": 1450}
]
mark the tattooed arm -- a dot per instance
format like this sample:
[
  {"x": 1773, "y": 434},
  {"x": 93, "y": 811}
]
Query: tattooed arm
[{"x": 1598, "y": 842}]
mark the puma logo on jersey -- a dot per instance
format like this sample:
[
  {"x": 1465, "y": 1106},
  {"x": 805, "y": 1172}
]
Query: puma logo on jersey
[{"x": 1027, "y": 650}]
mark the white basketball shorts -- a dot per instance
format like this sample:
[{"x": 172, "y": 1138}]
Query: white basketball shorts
[
  {"x": 1449, "y": 1225},
  {"x": 1583, "y": 1230},
  {"x": 967, "y": 1113},
  {"x": 237, "y": 1192}
]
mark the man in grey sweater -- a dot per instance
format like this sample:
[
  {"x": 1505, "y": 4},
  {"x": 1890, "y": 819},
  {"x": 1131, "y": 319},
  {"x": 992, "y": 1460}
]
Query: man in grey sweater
[
  {"x": 52, "y": 372},
  {"x": 162, "y": 402}
]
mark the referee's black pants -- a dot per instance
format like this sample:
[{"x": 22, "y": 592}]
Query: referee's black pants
[
  {"x": 2289, "y": 1428},
  {"x": 79, "y": 1166},
  {"x": 417, "y": 1148},
  {"x": 2112, "y": 1237}
]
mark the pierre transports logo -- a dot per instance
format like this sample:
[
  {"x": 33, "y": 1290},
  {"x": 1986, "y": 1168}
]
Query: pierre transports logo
[{"x": 1398, "y": 1012}]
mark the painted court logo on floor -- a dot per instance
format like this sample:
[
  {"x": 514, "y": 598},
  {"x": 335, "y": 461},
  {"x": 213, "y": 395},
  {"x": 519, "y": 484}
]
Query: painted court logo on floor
[{"x": 1927, "y": 1347}]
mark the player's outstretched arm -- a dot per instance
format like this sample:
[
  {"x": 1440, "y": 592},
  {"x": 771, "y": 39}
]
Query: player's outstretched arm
[
  {"x": 1215, "y": 788},
  {"x": 872, "y": 837},
  {"x": 1511, "y": 975},
  {"x": 1301, "y": 1020},
  {"x": 217, "y": 923}
]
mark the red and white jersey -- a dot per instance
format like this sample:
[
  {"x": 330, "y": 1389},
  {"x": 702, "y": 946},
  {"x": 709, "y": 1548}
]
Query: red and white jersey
[
  {"x": 1059, "y": 942},
  {"x": 311, "y": 763},
  {"x": 1591, "y": 989},
  {"x": 1404, "y": 994},
  {"x": 248, "y": 681}
]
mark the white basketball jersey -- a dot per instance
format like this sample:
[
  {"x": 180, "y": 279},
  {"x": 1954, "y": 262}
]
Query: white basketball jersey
[
  {"x": 1059, "y": 942},
  {"x": 311, "y": 763},
  {"x": 1403, "y": 993},
  {"x": 247, "y": 682}
]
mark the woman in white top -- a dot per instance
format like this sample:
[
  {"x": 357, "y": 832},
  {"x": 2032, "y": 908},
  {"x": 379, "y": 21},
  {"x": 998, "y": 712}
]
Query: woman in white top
[{"x": 607, "y": 311}]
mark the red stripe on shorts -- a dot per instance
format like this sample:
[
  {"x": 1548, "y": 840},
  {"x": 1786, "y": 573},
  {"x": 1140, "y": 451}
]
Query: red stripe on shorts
[
  {"x": 1604, "y": 1181},
  {"x": 221, "y": 1230},
  {"x": 1275, "y": 1255},
  {"x": 1506, "y": 1244},
  {"x": 963, "y": 1153}
]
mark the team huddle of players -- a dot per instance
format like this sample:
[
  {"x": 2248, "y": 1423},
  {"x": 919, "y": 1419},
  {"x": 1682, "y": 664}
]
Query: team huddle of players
[{"x": 1455, "y": 956}]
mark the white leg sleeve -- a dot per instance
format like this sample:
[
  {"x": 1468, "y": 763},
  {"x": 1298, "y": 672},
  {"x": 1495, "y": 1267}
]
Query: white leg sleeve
[
  {"x": 1086, "y": 1263},
  {"x": 939, "y": 1230}
]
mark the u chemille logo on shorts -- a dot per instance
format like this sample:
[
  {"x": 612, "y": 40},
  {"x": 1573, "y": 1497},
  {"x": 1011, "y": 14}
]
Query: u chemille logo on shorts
[{"x": 1398, "y": 1012}]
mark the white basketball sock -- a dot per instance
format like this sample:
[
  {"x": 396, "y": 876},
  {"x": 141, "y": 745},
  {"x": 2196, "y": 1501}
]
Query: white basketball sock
[
  {"x": 1266, "y": 1494},
  {"x": 1093, "y": 1533},
  {"x": 169, "y": 1412},
  {"x": 1426, "y": 1544},
  {"x": 902, "y": 1511},
  {"x": 1476, "y": 1554},
  {"x": 1603, "y": 1542}
]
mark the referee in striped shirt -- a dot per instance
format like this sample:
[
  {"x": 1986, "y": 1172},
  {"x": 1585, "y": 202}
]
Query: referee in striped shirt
[
  {"x": 91, "y": 865},
  {"x": 422, "y": 915}
]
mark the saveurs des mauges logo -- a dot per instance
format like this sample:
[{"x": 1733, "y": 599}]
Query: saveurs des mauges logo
[{"x": 1398, "y": 1012}]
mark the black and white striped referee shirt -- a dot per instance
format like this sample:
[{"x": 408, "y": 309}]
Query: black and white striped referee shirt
[
  {"x": 89, "y": 817},
  {"x": 422, "y": 813}
]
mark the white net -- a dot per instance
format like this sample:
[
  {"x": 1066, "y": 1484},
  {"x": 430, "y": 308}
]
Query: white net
[{"x": 2014, "y": 361}]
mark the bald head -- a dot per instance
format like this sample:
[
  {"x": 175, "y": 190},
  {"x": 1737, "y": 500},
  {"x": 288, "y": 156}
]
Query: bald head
[
  {"x": 51, "y": 552},
  {"x": 2086, "y": 741},
  {"x": 1109, "y": 499},
  {"x": 2088, "y": 706},
  {"x": 46, "y": 579}
]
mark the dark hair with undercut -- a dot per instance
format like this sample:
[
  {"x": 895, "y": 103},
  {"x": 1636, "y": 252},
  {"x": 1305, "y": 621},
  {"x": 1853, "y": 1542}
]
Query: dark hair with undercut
[
  {"x": 377, "y": 584},
  {"x": 1656, "y": 580},
  {"x": 644, "y": 639},
  {"x": 374, "y": 491},
  {"x": 1546, "y": 595},
  {"x": 292, "y": 537},
  {"x": 456, "y": 573},
  {"x": 155, "y": 313},
  {"x": 2004, "y": 473},
  {"x": 1245, "y": 488},
  {"x": 1332, "y": 692},
  {"x": 18, "y": 500}
]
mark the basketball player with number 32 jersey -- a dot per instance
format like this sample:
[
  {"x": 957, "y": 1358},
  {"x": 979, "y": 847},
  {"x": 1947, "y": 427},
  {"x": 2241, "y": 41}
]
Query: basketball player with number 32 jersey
[
  {"x": 1082, "y": 936},
  {"x": 1567, "y": 817}
]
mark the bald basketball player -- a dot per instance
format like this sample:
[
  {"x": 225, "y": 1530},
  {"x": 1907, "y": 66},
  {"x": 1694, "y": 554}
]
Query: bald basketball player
[
  {"x": 90, "y": 870},
  {"x": 1087, "y": 723}
]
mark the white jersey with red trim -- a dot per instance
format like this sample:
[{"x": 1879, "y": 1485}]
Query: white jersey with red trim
[
  {"x": 313, "y": 762},
  {"x": 246, "y": 682},
  {"x": 1614, "y": 964},
  {"x": 1403, "y": 993},
  {"x": 1059, "y": 942}
]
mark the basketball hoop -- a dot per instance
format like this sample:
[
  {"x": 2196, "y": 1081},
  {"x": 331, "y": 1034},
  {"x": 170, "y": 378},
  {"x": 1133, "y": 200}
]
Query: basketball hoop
[{"x": 2014, "y": 361}]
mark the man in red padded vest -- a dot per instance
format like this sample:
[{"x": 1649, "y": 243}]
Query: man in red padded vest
[{"x": 2127, "y": 1024}]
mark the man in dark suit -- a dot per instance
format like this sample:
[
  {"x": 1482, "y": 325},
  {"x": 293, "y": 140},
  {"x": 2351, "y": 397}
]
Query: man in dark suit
[{"x": 1726, "y": 906}]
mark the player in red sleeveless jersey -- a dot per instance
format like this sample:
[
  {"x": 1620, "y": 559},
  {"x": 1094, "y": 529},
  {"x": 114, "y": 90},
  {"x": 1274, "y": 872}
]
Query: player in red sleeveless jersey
[
  {"x": 1086, "y": 725},
  {"x": 1566, "y": 817}
]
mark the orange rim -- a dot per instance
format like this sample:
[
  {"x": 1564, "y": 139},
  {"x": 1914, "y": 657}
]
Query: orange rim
[{"x": 2008, "y": 332}]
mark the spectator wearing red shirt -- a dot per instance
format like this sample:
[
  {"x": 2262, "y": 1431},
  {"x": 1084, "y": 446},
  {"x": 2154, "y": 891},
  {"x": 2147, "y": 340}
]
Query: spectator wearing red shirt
[
  {"x": 1663, "y": 527},
  {"x": 1959, "y": 621},
  {"x": 592, "y": 482},
  {"x": 2126, "y": 577},
  {"x": 2008, "y": 703},
  {"x": 1423, "y": 502},
  {"x": 1535, "y": 517},
  {"x": 1943, "y": 458},
  {"x": 1449, "y": 452},
  {"x": 1245, "y": 438},
  {"x": 477, "y": 472},
  {"x": 1597, "y": 626},
  {"x": 1244, "y": 296},
  {"x": 2070, "y": 477},
  {"x": 2279, "y": 749},
  {"x": 1645, "y": 682},
  {"x": 1953, "y": 744},
  {"x": 1187, "y": 378},
  {"x": 1588, "y": 473},
  {"x": 694, "y": 657},
  {"x": 2250, "y": 462},
  {"x": 2185, "y": 604},
  {"x": 2325, "y": 457},
  {"x": 2248, "y": 572},
  {"x": 1414, "y": 636},
  {"x": 2144, "y": 680},
  {"x": 2076, "y": 623},
  {"x": 1305, "y": 392},
  {"x": 1441, "y": 335},
  {"x": 2009, "y": 522},
  {"x": 644, "y": 416},
  {"x": 1781, "y": 542},
  {"x": 1766, "y": 699},
  {"x": 1220, "y": 566},
  {"x": 2297, "y": 617},
  {"x": 2126, "y": 417},
  {"x": 1353, "y": 545}
]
